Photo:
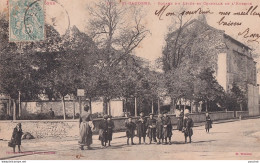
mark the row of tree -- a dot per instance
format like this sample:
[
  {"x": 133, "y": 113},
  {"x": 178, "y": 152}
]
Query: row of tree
[{"x": 103, "y": 63}]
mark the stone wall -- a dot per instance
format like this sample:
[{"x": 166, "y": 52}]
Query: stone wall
[
  {"x": 70, "y": 128},
  {"x": 242, "y": 114}
]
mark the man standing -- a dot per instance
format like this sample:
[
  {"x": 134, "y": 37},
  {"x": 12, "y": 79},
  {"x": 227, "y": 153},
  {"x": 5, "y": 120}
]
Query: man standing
[
  {"x": 103, "y": 131},
  {"x": 51, "y": 113},
  {"x": 141, "y": 127},
  {"x": 151, "y": 124},
  {"x": 167, "y": 128},
  {"x": 187, "y": 127}
]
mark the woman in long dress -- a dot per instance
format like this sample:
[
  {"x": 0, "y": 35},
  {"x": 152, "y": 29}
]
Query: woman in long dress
[
  {"x": 17, "y": 137},
  {"x": 85, "y": 127},
  {"x": 208, "y": 123}
]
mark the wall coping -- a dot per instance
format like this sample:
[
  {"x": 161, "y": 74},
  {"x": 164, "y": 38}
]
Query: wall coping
[{"x": 98, "y": 119}]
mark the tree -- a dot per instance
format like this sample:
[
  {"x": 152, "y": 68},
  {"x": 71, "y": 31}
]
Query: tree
[{"x": 116, "y": 40}]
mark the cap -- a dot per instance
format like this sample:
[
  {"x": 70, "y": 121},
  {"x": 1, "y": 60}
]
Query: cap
[
  {"x": 105, "y": 116},
  {"x": 151, "y": 114}
]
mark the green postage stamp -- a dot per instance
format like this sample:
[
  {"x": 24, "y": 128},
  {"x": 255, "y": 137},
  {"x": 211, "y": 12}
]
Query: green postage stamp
[{"x": 26, "y": 20}]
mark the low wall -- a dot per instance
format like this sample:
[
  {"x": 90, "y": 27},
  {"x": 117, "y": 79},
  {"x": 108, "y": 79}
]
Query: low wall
[
  {"x": 242, "y": 114},
  {"x": 70, "y": 128}
]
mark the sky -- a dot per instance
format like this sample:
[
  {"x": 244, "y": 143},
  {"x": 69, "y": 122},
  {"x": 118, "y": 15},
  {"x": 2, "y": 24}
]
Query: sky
[{"x": 66, "y": 13}]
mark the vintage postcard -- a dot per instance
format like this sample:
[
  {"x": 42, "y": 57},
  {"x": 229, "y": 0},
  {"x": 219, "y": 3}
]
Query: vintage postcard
[{"x": 129, "y": 80}]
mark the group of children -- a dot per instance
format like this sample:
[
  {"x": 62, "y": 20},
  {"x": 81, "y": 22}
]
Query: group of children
[{"x": 156, "y": 129}]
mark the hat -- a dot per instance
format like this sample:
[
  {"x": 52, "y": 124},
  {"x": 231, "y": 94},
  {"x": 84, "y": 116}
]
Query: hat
[
  {"x": 19, "y": 124},
  {"x": 110, "y": 116},
  {"x": 159, "y": 115},
  {"x": 105, "y": 116},
  {"x": 151, "y": 114},
  {"x": 130, "y": 117},
  {"x": 186, "y": 114}
]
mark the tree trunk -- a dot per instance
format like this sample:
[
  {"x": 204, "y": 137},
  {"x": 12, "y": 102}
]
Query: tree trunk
[
  {"x": 159, "y": 111},
  {"x": 73, "y": 109},
  {"x": 9, "y": 107},
  {"x": 19, "y": 104},
  {"x": 152, "y": 107},
  {"x": 105, "y": 105},
  {"x": 173, "y": 106},
  {"x": 241, "y": 108},
  {"x": 184, "y": 107},
  {"x": 63, "y": 107},
  {"x": 180, "y": 105},
  {"x": 90, "y": 106},
  {"x": 14, "y": 110},
  {"x": 191, "y": 107},
  {"x": 135, "y": 107},
  {"x": 206, "y": 106},
  {"x": 109, "y": 107}
]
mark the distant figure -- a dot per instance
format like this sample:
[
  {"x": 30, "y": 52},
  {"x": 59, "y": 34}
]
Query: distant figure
[
  {"x": 208, "y": 123},
  {"x": 151, "y": 123},
  {"x": 111, "y": 127},
  {"x": 141, "y": 127},
  {"x": 167, "y": 128},
  {"x": 130, "y": 130},
  {"x": 86, "y": 126},
  {"x": 187, "y": 127},
  {"x": 180, "y": 121},
  {"x": 51, "y": 113},
  {"x": 103, "y": 131},
  {"x": 159, "y": 129},
  {"x": 17, "y": 137}
]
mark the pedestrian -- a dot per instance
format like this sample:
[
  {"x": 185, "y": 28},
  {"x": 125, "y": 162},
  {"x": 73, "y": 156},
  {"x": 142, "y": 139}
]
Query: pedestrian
[
  {"x": 17, "y": 137},
  {"x": 141, "y": 127},
  {"x": 167, "y": 128},
  {"x": 111, "y": 127},
  {"x": 159, "y": 129},
  {"x": 86, "y": 127},
  {"x": 180, "y": 121},
  {"x": 130, "y": 130},
  {"x": 151, "y": 124},
  {"x": 187, "y": 127},
  {"x": 103, "y": 131},
  {"x": 208, "y": 123},
  {"x": 51, "y": 113}
]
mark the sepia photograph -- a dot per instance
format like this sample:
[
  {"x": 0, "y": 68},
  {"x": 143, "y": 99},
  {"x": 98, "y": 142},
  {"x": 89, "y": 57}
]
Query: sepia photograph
[{"x": 129, "y": 80}]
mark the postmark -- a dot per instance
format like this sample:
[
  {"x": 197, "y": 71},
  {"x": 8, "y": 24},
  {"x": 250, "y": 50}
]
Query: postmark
[{"x": 26, "y": 20}]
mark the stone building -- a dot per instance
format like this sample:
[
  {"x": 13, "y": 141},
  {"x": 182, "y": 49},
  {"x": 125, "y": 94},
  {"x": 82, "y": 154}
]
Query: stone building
[{"x": 231, "y": 59}]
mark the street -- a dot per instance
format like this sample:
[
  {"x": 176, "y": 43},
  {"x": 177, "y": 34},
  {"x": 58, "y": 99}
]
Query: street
[{"x": 230, "y": 140}]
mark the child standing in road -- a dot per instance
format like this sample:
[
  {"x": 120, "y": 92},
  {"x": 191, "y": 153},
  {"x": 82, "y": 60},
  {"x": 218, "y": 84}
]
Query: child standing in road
[
  {"x": 130, "y": 130},
  {"x": 111, "y": 126}
]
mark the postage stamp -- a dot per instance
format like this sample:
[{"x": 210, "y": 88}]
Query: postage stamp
[{"x": 26, "y": 20}]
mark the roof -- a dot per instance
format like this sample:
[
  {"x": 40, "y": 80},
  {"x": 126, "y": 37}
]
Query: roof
[{"x": 225, "y": 35}]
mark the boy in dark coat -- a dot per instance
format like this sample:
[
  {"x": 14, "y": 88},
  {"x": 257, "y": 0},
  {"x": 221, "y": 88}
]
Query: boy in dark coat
[
  {"x": 141, "y": 127},
  {"x": 208, "y": 123},
  {"x": 130, "y": 130},
  {"x": 103, "y": 131},
  {"x": 187, "y": 127},
  {"x": 151, "y": 124},
  {"x": 17, "y": 136},
  {"x": 159, "y": 128},
  {"x": 111, "y": 126},
  {"x": 167, "y": 128}
]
